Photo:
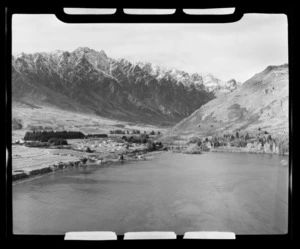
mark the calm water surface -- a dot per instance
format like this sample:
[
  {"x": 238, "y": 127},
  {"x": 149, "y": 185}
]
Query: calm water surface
[{"x": 243, "y": 193}]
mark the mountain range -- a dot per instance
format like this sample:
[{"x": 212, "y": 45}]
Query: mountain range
[{"x": 88, "y": 81}]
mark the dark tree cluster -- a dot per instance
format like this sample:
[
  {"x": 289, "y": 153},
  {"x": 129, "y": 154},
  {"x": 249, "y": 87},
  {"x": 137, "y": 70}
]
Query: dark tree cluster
[
  {"x": 236, "y": 139},
  {"x": 44, "y": 136},
  {"x": 145, "y": 139},
  {"x": 37, "y": 144},
  {"x": 97, "y": 135},
  {"x": 136, "y": 132},
  {"x": 152, "y": 146},
  {"x": 136, "y": 139},
  {"x": 117, "y": 132},
  {"x": 152, "y": 133},
  {"x": 58, "y": 141}
]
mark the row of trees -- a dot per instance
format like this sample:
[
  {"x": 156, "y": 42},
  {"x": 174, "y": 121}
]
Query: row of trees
[
  {"x": 139, "y": 132},
  {"x": 135, "y": 132},
  {"x": 96, "y": 135},
  {"x": 45, "y": 136},
  {"x": 118, "y": 132},
  {"x": 51, "y": 141}
]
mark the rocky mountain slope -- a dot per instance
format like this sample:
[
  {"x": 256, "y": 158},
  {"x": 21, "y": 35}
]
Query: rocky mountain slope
[
  {"x": 261, "y": 103},
  {"x": 89, "y": 81},
  {"x": 207, "y": 82}
]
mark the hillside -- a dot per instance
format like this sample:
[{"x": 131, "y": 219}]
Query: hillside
[{"x": 261, "y": 103}]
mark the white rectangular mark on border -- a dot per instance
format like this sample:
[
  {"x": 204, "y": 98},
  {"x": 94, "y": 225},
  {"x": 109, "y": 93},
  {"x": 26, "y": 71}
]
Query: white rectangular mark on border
[
  {"x": 149, "y": 11},
  {"x": 87, "y": 11},
  {"x": 217, "y": 11},
  {"x": 90, "y": 236},
  {"x": 209, "y": 235},
  {"x": 149, "y": 235}
]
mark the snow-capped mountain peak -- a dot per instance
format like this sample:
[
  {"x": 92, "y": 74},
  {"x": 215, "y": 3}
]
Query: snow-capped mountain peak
[{"x": 205, "y": 82}]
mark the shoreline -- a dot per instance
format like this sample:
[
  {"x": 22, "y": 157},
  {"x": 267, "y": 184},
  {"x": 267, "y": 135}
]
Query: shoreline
[
  {"x": 132, "y": 155},
  {"x": 240, "y": 150},
  {"x": 135, "y": 155}
]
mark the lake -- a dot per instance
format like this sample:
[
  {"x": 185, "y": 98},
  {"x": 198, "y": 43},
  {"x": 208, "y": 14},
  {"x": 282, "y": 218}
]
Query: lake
[{"x": 238, "y": 192}]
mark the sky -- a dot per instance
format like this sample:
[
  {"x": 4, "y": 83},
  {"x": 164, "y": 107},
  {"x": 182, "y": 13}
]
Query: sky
[{"x": 233, "y": 50}]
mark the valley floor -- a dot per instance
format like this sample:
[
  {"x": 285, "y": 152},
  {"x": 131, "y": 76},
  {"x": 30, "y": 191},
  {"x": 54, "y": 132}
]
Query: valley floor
[
  {"x": 28, "y": 118},
  {"x": 28, "y": 162}
]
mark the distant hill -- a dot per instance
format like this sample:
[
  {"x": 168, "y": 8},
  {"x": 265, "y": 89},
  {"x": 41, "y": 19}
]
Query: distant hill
[
  {"x": 261, "y": 103},
  {"x": 88, "y": 81}
]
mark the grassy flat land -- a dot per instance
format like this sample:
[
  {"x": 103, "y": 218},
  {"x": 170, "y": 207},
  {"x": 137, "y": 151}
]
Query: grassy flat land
[
  {"x": 30, "y": 117},
  {"x": 26, "y": 159}
]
